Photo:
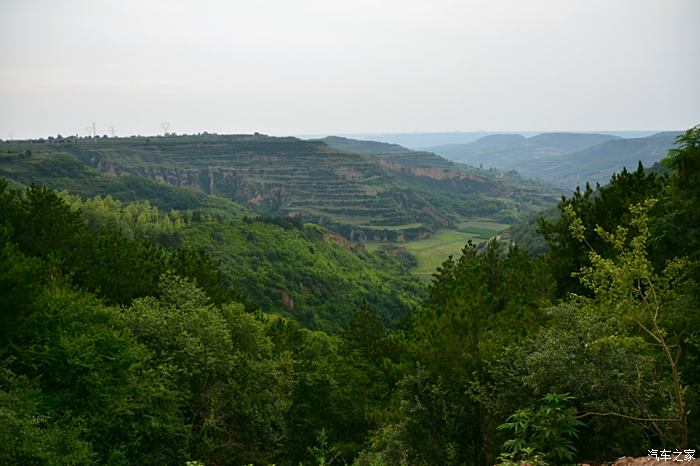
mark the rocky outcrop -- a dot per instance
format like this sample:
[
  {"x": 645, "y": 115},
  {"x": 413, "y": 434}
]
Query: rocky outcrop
[{"x": 286, "y": 298}]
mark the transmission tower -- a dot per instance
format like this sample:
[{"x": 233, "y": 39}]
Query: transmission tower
[
  {"x": 111, "y": 130},
  {"x": 166, "y": 126}
]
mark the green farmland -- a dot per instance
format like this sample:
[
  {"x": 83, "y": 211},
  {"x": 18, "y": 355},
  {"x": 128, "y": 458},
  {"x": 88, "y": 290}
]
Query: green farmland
[{"x": 431, "y": 252}]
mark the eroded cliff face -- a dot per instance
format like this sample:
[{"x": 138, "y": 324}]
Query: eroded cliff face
[
  {"x": 179, "y": 177},
  {"x": 435, "y": 173},
  {"x": 223, "y": 181},
  {"x": 286, "y": 298}
]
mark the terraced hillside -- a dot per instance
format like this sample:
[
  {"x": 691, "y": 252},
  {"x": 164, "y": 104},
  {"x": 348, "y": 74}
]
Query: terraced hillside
[
  {"x": 480, "y": 202},
  {"x": 398, "y": 195},
  {"x": 276, "y": 176},
  {"x": 463, "y": 192},
  {"x": 393, "y": 153}
]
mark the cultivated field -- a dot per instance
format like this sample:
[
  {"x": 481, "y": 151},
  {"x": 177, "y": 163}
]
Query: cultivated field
[{"x": 433, "y": 251}]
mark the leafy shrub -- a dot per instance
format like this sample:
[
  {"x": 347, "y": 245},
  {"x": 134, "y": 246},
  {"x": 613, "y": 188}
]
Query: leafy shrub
[{"x": 543, "y": 435}]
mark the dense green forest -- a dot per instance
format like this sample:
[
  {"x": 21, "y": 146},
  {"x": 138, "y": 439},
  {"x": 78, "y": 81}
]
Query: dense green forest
[{"x": 187, "y": 332}]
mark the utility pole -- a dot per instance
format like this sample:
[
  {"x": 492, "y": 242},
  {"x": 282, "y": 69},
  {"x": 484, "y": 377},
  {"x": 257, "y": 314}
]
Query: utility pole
[{"x": 94, "y": 133}]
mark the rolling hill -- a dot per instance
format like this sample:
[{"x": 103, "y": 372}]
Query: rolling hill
[
  {"x": 565, "y": 159},
  {"x": 597, "y": 164}
]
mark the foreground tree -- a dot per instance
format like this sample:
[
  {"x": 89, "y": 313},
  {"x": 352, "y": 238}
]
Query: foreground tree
[
  {"x": 477, "y": 303},
  {"x": 230, "y": 388},
  {"x": 628, "y": 290},
  {"x": 606, "y": 206}
]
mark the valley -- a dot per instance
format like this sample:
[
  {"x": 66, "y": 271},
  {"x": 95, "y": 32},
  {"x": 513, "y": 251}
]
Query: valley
[
  {"x": 430, "y": 252},
  {"x": 325, "y": 233},
  {"x": 329, "y": 296}
]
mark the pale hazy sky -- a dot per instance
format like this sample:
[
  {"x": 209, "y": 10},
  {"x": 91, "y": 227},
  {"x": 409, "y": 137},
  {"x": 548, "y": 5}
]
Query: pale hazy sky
[{"x": 326, "y": 66}]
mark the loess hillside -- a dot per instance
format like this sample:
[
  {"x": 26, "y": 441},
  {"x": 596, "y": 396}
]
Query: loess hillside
[
  {"x": 379, "y": 195},
  {"x": 462, "y": 192}
]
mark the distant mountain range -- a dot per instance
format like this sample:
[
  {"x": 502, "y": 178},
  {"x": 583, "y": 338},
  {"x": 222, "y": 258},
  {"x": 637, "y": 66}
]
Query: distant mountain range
[
  {"x": 424, "y": 141},
  {"x": 565, "y": 159}
]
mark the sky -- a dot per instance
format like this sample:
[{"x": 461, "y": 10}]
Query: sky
[{"x": 360, "y": 66}]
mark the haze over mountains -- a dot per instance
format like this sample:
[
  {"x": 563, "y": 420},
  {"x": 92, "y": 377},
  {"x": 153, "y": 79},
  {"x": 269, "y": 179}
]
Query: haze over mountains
[
  {"x": 424, "y": 141},
  {"x": 565, "y": 159}
]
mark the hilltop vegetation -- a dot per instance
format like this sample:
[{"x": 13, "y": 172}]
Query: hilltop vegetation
[{"x": 55, "y": 166}]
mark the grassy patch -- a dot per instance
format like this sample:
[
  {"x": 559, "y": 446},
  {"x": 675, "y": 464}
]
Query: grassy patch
[{"x": 433, "y": 251}]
